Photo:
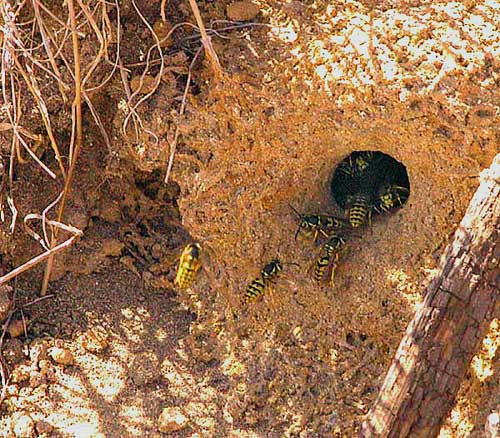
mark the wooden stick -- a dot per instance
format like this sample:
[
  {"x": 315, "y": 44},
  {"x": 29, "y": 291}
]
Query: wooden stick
[{"x": 420, "y": 387}]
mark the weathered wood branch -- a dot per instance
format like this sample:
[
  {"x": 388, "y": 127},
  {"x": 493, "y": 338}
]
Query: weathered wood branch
[{"x": 420, "y": 387}]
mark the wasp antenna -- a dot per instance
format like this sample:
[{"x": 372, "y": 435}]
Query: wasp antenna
[
  {"x": 401, "y": 188},
  {"x": 295, "y": 210}
]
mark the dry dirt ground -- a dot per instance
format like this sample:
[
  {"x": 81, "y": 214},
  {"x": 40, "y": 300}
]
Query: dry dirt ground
[{"x": 305, "y": 83}]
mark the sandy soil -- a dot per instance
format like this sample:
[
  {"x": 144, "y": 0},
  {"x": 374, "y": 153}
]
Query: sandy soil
[{"x": 305, "y": 84}]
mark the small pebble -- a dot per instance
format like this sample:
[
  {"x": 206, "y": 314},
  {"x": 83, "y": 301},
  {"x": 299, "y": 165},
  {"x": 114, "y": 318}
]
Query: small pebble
[
  {"x": 95, "y": 340},
  {"x": 242, "y": 11},
  {"x": 58, "y": 343},
  {"x": 5, "y": 303},
  {"x": 171, "y": 420},
  {"x": 44, "y": 365},
  {"x": 145, "y": 368},
  {"x": 36, "y": 379},
  {"x": 13, "y": 351},
  {"x": 23, "y": 425},
  {"x": 61, "y": 356},
  {"x": 148, "y": 84},
  {"x": 12, "y": 390},
  {"x": 21, "y": 373},
  {"x": 43, "y": 427},
  {"x": 16, "y": 328}
]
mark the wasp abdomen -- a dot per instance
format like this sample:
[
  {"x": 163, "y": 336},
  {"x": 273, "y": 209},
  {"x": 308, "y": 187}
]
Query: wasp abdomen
[
  {"x": 189, "y": 264},
  {"x": 320, "y": 268},
  {"x": 359, "y": 210},
  {"x": 257, "y": 287}
]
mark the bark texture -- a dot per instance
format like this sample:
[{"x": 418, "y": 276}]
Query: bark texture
[{"x": 420, "y": 387}]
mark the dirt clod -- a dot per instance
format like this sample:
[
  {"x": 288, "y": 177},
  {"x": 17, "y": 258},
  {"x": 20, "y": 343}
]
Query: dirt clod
[
  {"x": 171, "y": 420},
  {"x": 242, "y": 11},
  {"x": 147, "y": 85},
  {"x": 42, "y": 427},
  {"x": 5, "y": 302},
  {"x": 23, "y": 425},
  {"x": 161, "y": 29},
  {"x": 62, "y": 356},
  {"x": 110, "y": 212},
  {"x": 20, "y": 374},
  {"x": 145, "y": 368},
  {"x": 47, "y": 371},
  {"x": 95, "y": 339},
  {"x": 36, "y": 379},
  {"x": 112, "y": 247},
  {"x": 13, "y": 351},
  {"x": 17, "y": 327}
]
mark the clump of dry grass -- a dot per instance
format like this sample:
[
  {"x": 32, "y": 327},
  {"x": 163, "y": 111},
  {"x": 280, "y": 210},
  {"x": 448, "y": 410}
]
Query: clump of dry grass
[
  {"x": 40, "y": 41},
  {"x": 33, "y": 50}
]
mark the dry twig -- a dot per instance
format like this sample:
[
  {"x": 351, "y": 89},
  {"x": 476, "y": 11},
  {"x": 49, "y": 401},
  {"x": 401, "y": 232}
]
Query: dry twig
[
  {"x": 173, "y": 145},
  {"x": 50, "y": 253},
  {"x": 74, "y": 147},
  {"x": 206, "y": 41}
]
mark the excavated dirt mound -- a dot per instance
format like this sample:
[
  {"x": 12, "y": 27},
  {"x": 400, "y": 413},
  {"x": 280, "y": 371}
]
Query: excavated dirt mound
[{"x": 305, "y": 84}]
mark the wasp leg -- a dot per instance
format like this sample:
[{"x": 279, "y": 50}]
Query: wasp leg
[
  {"x": 370, "y": 221},
  {"x": 315, "y": 236},
  {"x": 332, "y": 275},
  {"x": 324, "y": 233},
  {"x": 334, "y": 267}
]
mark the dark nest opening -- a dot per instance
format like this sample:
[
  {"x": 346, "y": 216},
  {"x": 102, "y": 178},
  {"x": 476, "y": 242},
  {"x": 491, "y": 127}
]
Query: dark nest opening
[{"x": 377, "y": 178}]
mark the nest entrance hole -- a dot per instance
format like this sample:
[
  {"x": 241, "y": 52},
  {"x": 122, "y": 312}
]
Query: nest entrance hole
[{"x": 377, "y": 176}]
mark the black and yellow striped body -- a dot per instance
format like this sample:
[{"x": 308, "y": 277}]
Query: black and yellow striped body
[
  {"x": 391, "y": 196},
  {"x": 362, "y": 162},
  {"x": 189, "y": 264},
  {"x": 334, "y": 244},
  {"x": 332, "y": 247},
  {"x": 356, "y": 166},
  {"x": 328, "y": 222},
  {"x": 320, "y": 268},
  {"x": 258, "y": 286},
  {"x": 359, "y": 209},
  {"x": 255, "y": 289},
  {"x": 311, "y": 225}
]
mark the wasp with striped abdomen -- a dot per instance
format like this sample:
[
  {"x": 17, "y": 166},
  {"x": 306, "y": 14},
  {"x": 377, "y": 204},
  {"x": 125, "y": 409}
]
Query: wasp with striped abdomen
[
  {"x": 391, "y": 196},
  {"x": 311, "y": 225},
  {"x": 189, "y": 265},
  {"x": 359, "y": 209},
  {"x": 357, "y": 164},
  {"x": 258, "y": 286},
  {"x": 332, "y": 248}
]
